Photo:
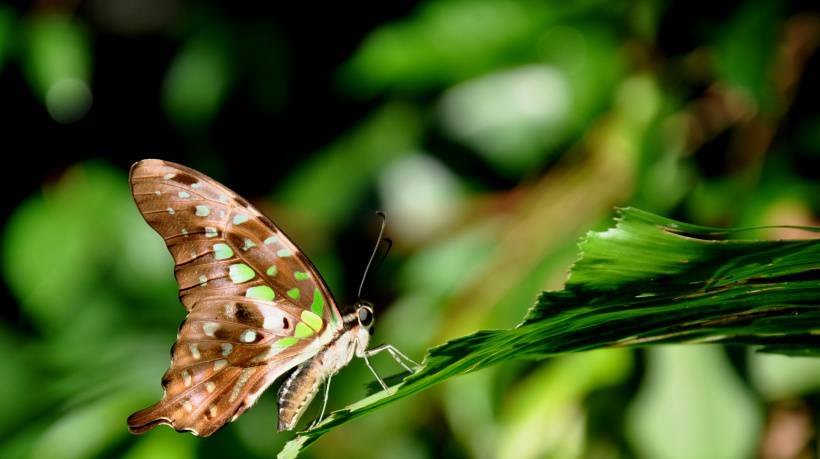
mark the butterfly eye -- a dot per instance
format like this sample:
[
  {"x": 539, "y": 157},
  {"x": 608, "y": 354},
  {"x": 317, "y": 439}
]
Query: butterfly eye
[{"x": 365, "y": 316}]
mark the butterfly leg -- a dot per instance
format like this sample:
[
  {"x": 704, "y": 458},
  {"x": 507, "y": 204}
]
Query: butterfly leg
[
  {"x": 397, "y": 356},
  {"x": 372, "y": 370},
  {"x": 324, "y": 404}
]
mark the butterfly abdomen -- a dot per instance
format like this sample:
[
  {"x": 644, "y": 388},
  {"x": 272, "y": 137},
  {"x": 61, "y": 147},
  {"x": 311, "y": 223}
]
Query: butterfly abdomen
[{"x": 298, "y": 391}]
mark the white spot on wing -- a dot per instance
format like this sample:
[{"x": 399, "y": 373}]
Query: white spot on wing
[
  {"x": 272, "y": 317},
  {"x": 194, "y": 351},
  {"x": 248, "y": 336},
  {"x": 210, "y": 328},
  {"x": 227, "y": 348},
  {"x": 248, "y": 244},
  {"x": 219, "y": 364}
]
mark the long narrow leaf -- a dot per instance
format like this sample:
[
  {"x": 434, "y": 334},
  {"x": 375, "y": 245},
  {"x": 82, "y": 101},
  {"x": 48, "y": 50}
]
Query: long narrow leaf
[{"x": 647, "y": 280}]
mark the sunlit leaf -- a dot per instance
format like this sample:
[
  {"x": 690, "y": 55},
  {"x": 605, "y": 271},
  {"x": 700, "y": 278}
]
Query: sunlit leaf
[
  {"x": 692, "y": 405},
  {"x": 780, "y": 377},
  {"x": 543, "y": 412},
  {"x": 511, "y": 117},
  {"x": 647, "y": 280},
  {"x": 420, "y": 194}
]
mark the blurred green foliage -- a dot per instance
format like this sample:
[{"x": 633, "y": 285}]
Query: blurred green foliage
[
  {"x": 496, "y": 133},
  {"x": 57, "y": 61}
]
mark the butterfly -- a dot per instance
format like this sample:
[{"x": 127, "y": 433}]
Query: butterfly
[{"x": 257, "y": 308}]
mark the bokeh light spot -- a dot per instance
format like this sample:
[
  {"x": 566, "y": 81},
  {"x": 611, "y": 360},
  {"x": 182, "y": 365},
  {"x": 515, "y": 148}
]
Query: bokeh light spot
[{"x": 68, "y": 100}]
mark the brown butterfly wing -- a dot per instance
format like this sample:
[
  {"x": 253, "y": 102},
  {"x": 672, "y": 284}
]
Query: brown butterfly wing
[{"x": 255, "y": 302}]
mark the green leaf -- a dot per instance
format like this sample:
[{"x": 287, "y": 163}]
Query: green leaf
[
  {"x": 100, "y": 423},
  {"x": 747, "y": 48},
  {"x": 647, "y": 280},
  {"x": 536, "y": 419},
  {"x": 693, "y": 405},
  {"x": 442, "y": 43},
  {"x": 779, "y": 377},
  {"x": 199, "y": 79},
  {"x": 163, "y": 444},
  {"x": 58, "y": 242}
]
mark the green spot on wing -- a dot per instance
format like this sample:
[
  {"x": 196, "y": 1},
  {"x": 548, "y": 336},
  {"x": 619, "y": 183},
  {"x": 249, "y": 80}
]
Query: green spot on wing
[
  {"x": 303, "y": 331},
  {"x": 284, "y": 252},
  {"x": 318, "y": 304},
  {"x": 270, "y": 240},
  {"x": 261, "y": 292},
  {"x": 241, "y": 273},
  {"x": 314, "y": 321},
  {"x": 272, "y": 270},
  {"x": 300, "y": 275},
  {"x": 294, "y": 293},
  {"x": 203, "y": 211},
  {"x": 222, "y": 251},
  {"x": 239, "y": 219},
  {"x": 287, "y": 342}
]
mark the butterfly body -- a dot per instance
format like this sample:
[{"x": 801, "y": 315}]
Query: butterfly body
[
  {"x": 257, "y": 308},
  {"x": 303, "y": 384}
]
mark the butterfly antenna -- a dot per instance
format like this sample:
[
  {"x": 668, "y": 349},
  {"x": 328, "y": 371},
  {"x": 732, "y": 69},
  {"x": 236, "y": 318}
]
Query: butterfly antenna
[{"x": 375, "y": 250}]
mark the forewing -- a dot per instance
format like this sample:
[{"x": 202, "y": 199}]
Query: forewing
[
  {"x": 255, "y": 302},
  {"x": 214, "y": 235}
]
